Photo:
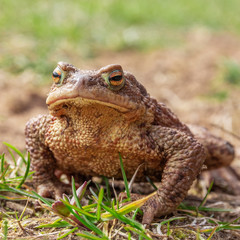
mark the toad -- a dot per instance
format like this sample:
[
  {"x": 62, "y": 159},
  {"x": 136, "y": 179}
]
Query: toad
[{"x": 95, "y": 115}]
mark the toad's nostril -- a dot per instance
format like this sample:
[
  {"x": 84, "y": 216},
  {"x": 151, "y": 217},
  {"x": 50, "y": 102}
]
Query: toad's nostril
[
  {"x": 230, "y": 147},
  {"x": 65, "y": 106}
]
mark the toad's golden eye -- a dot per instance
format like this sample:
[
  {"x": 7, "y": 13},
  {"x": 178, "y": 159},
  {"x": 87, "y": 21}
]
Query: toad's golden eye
[
  {"x": 116, "y": 78},
  {"x": 58, "y": 75}
]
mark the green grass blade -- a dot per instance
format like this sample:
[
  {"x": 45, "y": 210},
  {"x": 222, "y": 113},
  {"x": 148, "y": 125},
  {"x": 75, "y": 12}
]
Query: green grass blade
[
  {"x": 26, "y": 172},
  {"x": 79, "y": 193},
  {"x": 113, "y": 204},
  {"x": 12, "y": 198},
  {"x": 205, "y": 198},
  {"x": 93, "y": 193},
  {"x": 12, "y": 156},
  {"x": 79, "y": 210},
  {"x": 89, "y": 207},
  {"x": 198, "y": 236},
  {"x": 6, "y": 188},
  {"x": 106, "y": 180},
  {"x": 124, "y": 176},
  {"x": 3, "y": 171},
  {"x": 124, "y": 219},
  {"x": 206, "y": 209},
  {"x": 168, "y": 229},
  {"x": 228, "y": 225},
  {"x": 5, "y": 229},
  {"x": 212, "y": 232},
  {"x": 140, "y": 233},
  {"x": 172, "y": 219},
  {"x": 75, "y": 194},
  {"x": 86, "y": 222},
  {"x": 134, "y": 205},
  {"x": 98, "y": 190},
  {"x": 2, "y": 162},
  {"x": 152, "y": 183},
  {"x": 61, "y": 224},
  {"x": 16, "y": 150},
  {"x": 168, "y": 223},
  {"x": 88, "y": 235},
  {"x": 66, "y": 234},
  {"x": 135, "y": 213},
  {"x": 229, "y": 228},
  {"x": 18, "y": 179},
  {"x": 128, "y": 207},
  {"x": 44, "y": 200},
  {"x": 100, "y": 198}
]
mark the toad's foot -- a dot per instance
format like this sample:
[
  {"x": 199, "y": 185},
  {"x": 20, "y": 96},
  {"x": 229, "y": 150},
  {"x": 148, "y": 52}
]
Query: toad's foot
[
  {"x": 53, "y": 189},
  {"x": 150, "y": 208},
  {"x": 226, "y": 179}
]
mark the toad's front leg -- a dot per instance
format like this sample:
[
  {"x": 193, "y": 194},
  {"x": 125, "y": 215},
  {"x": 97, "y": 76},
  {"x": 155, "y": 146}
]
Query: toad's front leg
[
  {"x": 42, "y": 160},
  {"x": 184, "y": 157}
]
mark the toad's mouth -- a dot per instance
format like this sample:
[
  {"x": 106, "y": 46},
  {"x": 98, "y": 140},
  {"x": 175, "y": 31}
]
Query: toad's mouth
[{"x": 84, "y": 102}]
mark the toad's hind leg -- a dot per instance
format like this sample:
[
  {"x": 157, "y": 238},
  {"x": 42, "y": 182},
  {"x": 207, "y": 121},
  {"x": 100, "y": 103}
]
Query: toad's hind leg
[{"x": 220, "y": 153}]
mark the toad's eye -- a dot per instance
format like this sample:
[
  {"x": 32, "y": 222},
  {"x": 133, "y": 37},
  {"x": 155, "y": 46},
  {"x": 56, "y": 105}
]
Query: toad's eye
[
  {"x": 115, "y": 79},
  {"x": 58, "y": 75}
]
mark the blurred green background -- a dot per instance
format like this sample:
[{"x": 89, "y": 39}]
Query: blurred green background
[{"x": 36, "y": 34}]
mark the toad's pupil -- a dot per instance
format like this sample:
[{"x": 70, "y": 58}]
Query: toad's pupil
[
  {"x": 116, "y": 78},
  {"x": 55, "y": 74}
]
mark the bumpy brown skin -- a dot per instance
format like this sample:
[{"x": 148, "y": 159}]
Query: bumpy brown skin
[{"x": 90, "y": 124}]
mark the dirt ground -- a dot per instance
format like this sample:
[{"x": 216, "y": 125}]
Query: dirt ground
[{"x": 187, "y": 78}]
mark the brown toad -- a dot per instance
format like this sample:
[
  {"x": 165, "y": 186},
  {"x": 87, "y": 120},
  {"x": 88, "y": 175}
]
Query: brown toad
[{"x": 95, "y": 115}]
